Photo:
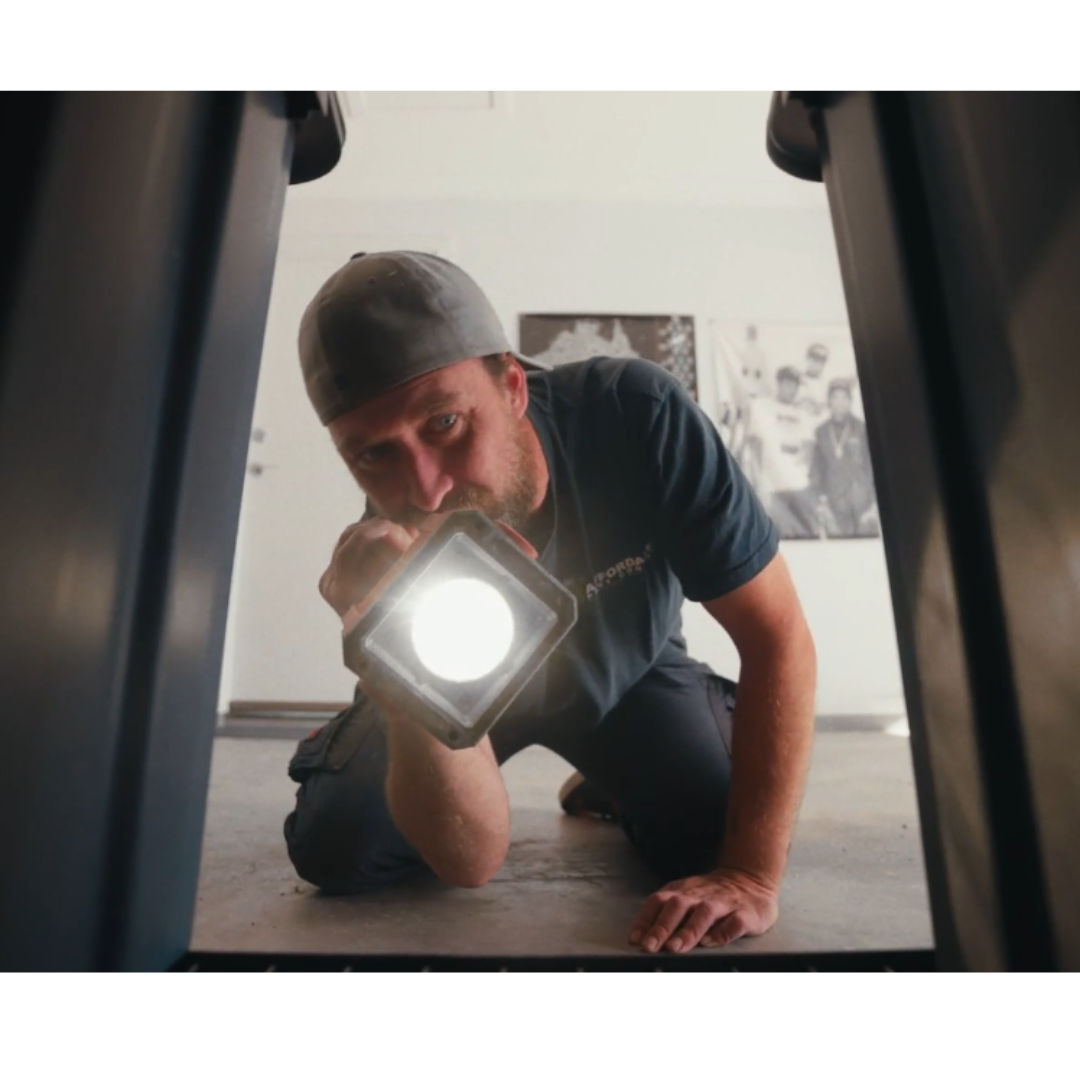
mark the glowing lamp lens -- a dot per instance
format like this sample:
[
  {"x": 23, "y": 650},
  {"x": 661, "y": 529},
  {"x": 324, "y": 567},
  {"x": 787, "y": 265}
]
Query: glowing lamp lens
[{"x": 462, "y": 629}]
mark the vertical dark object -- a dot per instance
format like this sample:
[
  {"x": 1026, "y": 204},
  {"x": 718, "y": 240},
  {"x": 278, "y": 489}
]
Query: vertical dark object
[
  {"x": 1002, "y": 176},
  {"x": 958, "y": 225},
  {"x": 131, "y": 322}
]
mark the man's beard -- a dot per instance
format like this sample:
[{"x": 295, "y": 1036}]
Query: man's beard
[{"x": 514, "y": 507}]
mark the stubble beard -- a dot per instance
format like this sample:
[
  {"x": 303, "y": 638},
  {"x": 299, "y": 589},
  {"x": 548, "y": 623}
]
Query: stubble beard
[{"x": 514, "y": 506}]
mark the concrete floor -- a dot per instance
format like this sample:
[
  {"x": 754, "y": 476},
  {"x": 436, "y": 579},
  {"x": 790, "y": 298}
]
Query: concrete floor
[{"x": 569, "y": 887}]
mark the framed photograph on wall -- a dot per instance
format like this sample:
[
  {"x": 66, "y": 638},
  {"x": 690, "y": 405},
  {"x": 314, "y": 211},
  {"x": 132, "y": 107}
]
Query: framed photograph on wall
[
  {"x": 789, "y": 409},
  {"x": 667, "y": 340}
]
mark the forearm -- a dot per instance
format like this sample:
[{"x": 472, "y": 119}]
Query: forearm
[
  {"x": 772, "y": 739},
  {"x": 451, "y": 805}
]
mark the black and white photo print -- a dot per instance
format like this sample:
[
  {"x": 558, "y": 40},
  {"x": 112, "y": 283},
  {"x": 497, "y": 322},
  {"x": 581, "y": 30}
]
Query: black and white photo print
[{"x": 789, "y": 410}]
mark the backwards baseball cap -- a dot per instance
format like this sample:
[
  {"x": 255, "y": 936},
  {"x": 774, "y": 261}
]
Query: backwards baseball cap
[{"x": 389, "y": 317}]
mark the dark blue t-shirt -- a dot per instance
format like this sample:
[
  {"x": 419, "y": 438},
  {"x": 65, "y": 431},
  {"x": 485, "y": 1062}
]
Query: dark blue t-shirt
[{"x": 648, "y": 507}]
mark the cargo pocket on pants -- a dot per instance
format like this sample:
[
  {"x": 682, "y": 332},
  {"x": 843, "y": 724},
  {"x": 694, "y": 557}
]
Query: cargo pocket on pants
[{"x": 331, "y": 747}]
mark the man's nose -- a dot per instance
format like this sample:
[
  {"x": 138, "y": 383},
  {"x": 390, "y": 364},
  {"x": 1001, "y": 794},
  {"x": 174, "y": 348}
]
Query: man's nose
[{"x": 429, "y": 483}]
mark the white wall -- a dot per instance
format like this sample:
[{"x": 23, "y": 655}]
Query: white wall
[
  {"x": 764, "y": 263},
  {"x": 567, "y": 146}
]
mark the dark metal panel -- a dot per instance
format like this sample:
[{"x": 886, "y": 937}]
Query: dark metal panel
[
  {"x": 26, "y": 120},
  {"x": 132, "y": 307},
  {"x": 900, "y": 351},
  {"x": 84, "y": 357},
  {"x": 1002, "y": 172},
  {"x": 205, "y": 433}
]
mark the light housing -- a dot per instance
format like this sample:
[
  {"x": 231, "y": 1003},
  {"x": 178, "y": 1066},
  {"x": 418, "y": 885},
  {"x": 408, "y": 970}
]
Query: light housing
[{"x": 469, "y": 679}]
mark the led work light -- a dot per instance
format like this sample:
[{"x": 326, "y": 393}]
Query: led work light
[{"x": 458, "y": 627}]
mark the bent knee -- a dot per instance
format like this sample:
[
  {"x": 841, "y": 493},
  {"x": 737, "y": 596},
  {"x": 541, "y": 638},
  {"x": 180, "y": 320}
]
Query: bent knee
[
  {"x": 341, "y": 856},
  {"x": 678, "y": 848},
  {"x": 322, "y": 856}
]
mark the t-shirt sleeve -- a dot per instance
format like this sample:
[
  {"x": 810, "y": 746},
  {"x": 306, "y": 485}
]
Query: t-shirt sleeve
[{"x": 713, "y": 529}]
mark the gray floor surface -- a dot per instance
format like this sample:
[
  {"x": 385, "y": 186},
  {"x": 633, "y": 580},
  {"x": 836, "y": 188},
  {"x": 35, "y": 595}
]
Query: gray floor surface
[{"x": 569, "y": 887}]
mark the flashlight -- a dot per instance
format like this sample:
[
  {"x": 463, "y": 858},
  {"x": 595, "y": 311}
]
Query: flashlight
[{"x": 457, "y": 627}]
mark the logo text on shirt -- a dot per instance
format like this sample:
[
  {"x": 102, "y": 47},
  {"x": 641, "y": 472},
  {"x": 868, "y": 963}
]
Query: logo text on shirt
[{"x": 623, "y": 569}]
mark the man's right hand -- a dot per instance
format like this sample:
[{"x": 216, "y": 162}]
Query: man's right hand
[
  {"x": 368, "y": 549},
  {"x": 362, "y": 556}
]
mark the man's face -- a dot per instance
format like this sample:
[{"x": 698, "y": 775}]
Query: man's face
[
  {"x": 815, "y": 364},
  {"x": 454, "y": 439},
  {"x": 786, "y": 390},
  {"x": 840, "y": 404}
]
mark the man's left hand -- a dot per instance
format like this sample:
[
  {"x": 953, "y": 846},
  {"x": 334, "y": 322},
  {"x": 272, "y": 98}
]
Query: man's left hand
[{"x": 708, "y": 909}]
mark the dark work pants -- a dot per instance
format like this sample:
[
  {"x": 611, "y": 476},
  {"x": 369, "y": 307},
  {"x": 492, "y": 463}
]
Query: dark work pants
[{"x": 663, "y": 753}]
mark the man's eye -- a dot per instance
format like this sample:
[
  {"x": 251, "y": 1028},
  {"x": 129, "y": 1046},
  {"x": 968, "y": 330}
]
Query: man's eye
[
  {"x": 445, "y": 423},
  {"x": 372, "y": 456}
]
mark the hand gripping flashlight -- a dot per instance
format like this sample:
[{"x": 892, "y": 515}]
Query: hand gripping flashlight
[{"x": 457, "y": 627}]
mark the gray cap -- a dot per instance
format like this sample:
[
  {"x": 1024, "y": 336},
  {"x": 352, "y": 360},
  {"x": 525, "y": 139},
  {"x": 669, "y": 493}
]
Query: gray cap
[{"x": 386, "y": 318}]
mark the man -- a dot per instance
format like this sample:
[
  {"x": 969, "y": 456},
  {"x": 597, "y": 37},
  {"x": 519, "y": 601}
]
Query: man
[
  {"x": 750, "y": 382},
  {"x": 623, "y": 490},
  {"x": 779, "y": 453},
  {"x": 754, "y": 367},
  {"x": 813, "y": 383},
  {"x": 841, "y": 475}
]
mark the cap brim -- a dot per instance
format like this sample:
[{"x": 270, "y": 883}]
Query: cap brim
[{"x": 531, "y": 362}]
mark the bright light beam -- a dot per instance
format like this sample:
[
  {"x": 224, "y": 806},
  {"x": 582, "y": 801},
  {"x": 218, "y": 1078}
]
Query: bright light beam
[{"x": 462, "y": 629}]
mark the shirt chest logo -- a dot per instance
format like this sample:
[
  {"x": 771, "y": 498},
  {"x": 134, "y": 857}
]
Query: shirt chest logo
[{"x": 623, "y": 569}]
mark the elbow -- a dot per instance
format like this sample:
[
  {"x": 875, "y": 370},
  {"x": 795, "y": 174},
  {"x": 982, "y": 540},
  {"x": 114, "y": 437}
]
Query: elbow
[
  {"x": 462, "y": 847},
  {"x": 469, "y": 877},
  {"x": 467, "y": 859},
  {"x": 471, "y": 870}
]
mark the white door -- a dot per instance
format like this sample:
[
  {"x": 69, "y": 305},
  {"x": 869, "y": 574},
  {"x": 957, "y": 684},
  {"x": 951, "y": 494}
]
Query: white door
[{"x": 283, "y": 642}]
